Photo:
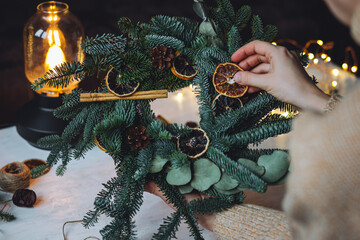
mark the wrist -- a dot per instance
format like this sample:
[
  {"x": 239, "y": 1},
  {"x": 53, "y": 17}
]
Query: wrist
[{"x": 315, "y": 101}]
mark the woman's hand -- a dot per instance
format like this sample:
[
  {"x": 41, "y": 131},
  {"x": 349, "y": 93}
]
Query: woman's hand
[
  {"x": 279, "y": 72},
  {"x": 206, "y": 221}
]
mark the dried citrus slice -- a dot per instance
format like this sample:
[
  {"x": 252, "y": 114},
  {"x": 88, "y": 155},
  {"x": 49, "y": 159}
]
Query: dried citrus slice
[
  {"x": 194, "y": 144},
  {"x": 119, "y": 89},
  {"x": 224, "y": 83},
  {"x": 183, "y": 67},
  {"x": 99, "y": 143},
  {"x": 222, "y": 104}
]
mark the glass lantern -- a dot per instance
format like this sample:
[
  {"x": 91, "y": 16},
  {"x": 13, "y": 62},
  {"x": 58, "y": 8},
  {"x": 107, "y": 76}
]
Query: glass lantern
[{"x": 52, "y": 36}]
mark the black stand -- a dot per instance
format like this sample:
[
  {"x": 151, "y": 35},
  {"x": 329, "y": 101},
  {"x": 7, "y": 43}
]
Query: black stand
[{"x": 35, "y": 119}]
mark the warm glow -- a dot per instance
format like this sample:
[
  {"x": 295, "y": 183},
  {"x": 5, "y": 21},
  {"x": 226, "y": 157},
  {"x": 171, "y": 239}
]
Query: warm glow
[
  {"x": 316, "y": 61},
  {"x": 285, "y": 114},
  {"x": 323, "y": 56},
  {"x": 54, "y": 57},
  {"x": 180, "y": 96},
  {"x": 328, "y": 59},
  {"x": 345, "y": 66},
  {"x": 320, "y": 42},
  {"x": 335, "y": 72},
  {"x": 274, "y": 43},
  {"x": 311, "y": 56},
  {"x": 334, "y": 83},
  {"x": 354, "y": 69}
]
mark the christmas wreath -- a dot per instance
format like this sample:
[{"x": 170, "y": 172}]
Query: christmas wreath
[{"x": 215, "y": 159}]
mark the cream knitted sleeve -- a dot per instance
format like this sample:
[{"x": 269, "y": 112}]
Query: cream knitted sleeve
[{"x": 248, "y": 221}]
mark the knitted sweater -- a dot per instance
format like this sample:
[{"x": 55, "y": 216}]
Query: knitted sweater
[{"x": 323, "y": 190}]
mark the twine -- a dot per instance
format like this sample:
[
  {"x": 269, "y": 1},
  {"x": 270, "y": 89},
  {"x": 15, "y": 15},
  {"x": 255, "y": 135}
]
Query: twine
[
  {"x": 76, "y": 221},
  {"x": 14, "y": 176}
]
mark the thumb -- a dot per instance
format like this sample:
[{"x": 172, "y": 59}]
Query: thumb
[{"x": 251, "y": 79}]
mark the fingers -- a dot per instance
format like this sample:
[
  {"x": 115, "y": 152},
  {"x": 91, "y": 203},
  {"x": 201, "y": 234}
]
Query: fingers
[
  {"x": 252, "y": 61},
  {"x": 253, "y": 90},
  {"x": 251, "y": 79},
  {"x": 253, "y": 48}
]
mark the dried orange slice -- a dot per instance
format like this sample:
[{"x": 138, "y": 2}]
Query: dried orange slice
[
  {"x": 194, "y": 144},
  {"x": 222, "y": 104},
  {"x": 224, "y": 83},
  {"x": 99, "y": 143},
  {"x": 119, "y": 89},
  {"x": 183, "y": 67}
]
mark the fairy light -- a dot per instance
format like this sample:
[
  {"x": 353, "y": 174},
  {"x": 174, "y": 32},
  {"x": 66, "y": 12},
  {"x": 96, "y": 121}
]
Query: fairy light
[
  {"x": 316, "y": 61},
  {"x": 354, "y": 69},
  {"x": 274, "y": 43},
  {"x": 285, "y": 114},
  {"x": 180, "y": 96},
  {"x": 335, "y": 72},
  {"x": 311, "y": 56},
  {"x": 323, "y": 56},
  {"x": 328, "y": 59},
  {"x": 320, "y": 42},
  {"x": 334, "y": 83},
  {"x": 345, "y": 66}
]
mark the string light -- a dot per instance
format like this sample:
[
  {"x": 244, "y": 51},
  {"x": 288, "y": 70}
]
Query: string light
[
  {"x": 345, "y": 66},
  {"x": 316, "y": 61},
  {"x": 323, "y": 56},
  {"x": 274, "y": 43},
  {"x": 334, "y": 83},
  {"x": 285, "y": 114},
  {"x": 180, "y": 96},
  {"x": 320, "y": 42},
  {"x": 354, "y": 69},
  {"x": 335, "y": 72},
  {"x": 311, "y": 56},
  {"x": 328, "y": 59}
]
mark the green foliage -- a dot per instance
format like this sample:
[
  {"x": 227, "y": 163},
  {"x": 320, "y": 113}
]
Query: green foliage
[
  {"x": 60, "y": 76},
  {"x": 230, "y": 133},
  {"x": 6, "y": 217},
  {"x": 105, "y": 44}
]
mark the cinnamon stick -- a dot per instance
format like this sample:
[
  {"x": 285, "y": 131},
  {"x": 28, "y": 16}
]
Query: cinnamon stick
[{"x": 99, "y": 97}]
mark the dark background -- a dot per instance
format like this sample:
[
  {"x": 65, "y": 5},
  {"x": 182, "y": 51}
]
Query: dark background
[{"x": 301, "y": 20}]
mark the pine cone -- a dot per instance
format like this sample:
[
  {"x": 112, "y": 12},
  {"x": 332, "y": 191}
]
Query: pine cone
[
  {"x": 162, "y": 57},
  {"x": 137, "y": 138}
]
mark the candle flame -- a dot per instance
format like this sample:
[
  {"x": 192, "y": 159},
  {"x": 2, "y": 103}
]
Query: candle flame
[{"x": 55, "y": 55}]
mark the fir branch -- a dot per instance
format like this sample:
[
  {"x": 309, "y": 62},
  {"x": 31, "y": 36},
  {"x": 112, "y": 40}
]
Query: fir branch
[
  {"x": 169, "y": 227},
  {"x": 38, "y": 171},
  {"x": 262, "y": 132},
  {"x": 168, "y": 41},
  {"x": 178, "y": 159},
  {"x": 60, "y": 76},
  {"x": 106, "y": 44},
  {"x": 228, "y": 9},
  {"x": 91, "y": 218},
  {"x": 209, "y": 205},
  {"x": 164, "y": 148},
  {"x": 236, "y": 170},
  {"x": 156, "y": 130},
  {"x": 234, "y": 40},
  {"x": 6, "y": 217},
  {"x": 242, "y": 17},
  {"x": 143, "y": 160},
  {"x": 257, "y": 28},
  {"x": 270, "y": 32}
]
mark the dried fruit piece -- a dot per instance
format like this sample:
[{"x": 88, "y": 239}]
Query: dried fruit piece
[
  {"x": 119, "y": 89},
  {"x": 224, "y": 83},
  {"x": 99, "y": 143},
  {"x": 194, "y": 144},
  {"x": 24, "y": 198},
  {"x": 184, "y": 67},
  {"x": 223, "y": 104}
]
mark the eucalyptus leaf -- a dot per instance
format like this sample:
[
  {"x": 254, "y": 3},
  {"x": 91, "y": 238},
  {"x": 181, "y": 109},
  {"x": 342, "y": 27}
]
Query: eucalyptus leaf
[
  {"x": 276, "y": 165},
  {"x": 226, "y": 182},
  {"x": 252, "y": 166},
  {"x": 179, "y": 176},
  {"x": 206, "y": 173},
  {"x": 186, "y": 189},
  {"x": 200, "y": 9},
  {"x": 157, "y": 164},
  {"x": 228, "y": 192}
]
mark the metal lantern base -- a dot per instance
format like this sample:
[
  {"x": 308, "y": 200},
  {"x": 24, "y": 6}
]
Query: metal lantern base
[{"x": 35, "y": 119}]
